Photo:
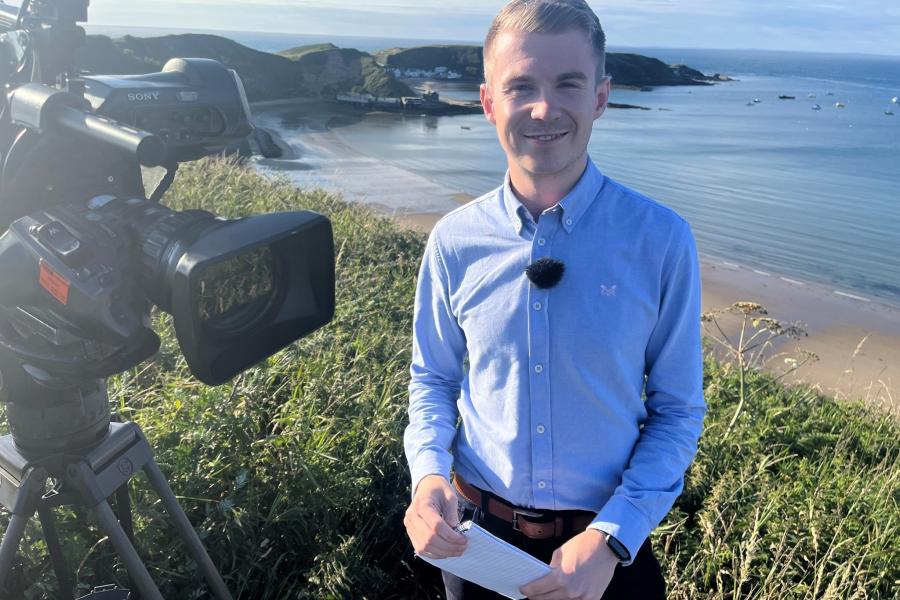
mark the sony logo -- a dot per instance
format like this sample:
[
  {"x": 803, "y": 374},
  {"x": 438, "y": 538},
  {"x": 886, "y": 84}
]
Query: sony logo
[{"x": 143, "y": 96}]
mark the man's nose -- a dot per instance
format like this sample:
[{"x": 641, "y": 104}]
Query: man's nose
[{"x": 545, "y": 107}]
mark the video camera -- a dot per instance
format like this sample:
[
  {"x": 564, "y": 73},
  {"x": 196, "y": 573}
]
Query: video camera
[{"x": 86, "y": 253}]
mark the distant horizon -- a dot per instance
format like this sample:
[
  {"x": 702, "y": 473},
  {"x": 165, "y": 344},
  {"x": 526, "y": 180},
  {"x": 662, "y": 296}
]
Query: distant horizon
[
  {"x": 868, "y": 27},
  {"x": 432, "y": 41}
]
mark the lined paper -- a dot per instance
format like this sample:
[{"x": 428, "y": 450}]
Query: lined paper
[{"x": 492, "y": 563}]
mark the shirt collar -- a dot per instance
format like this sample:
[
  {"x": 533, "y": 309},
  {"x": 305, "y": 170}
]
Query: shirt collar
[{"x": 573, "y": 205}]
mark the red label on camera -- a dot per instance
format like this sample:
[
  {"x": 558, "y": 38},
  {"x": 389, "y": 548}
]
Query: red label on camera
[{"x": 54, "y": 283}]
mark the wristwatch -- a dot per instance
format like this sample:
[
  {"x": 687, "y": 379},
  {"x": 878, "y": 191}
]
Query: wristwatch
[{"x": 618, "y": 548}]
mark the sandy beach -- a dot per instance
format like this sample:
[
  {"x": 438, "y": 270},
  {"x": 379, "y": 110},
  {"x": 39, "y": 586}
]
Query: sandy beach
[{"x": 856, "y": 339}]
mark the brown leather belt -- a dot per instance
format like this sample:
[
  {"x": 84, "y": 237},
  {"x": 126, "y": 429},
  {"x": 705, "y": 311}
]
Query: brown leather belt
[{"x": 538, "y": 525}]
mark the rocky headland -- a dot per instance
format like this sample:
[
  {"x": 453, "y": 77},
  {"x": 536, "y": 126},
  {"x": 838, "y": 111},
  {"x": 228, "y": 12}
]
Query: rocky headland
[
  {"x": 322, "y": 71},
  {"x": 465, "y": 63},
  {"x": 357, "y": 80}
]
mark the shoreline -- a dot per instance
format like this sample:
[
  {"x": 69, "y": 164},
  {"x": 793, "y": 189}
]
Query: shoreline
[{"x": 856, "y": 339}]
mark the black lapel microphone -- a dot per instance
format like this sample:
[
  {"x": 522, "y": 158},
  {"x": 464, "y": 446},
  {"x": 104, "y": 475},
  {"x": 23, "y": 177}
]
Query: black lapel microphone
[{"x": 545, "y": 273}]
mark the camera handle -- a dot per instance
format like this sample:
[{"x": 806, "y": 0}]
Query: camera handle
[{"x": 88, "y": 481}]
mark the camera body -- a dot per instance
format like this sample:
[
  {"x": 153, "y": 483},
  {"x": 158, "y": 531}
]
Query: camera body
[{"x": 195, "y": 106}]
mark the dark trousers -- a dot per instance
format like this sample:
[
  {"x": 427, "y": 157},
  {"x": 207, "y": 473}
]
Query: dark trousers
[{"x": 641, "y": 580}]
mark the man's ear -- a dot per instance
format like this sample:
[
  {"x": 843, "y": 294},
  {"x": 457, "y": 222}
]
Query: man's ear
[
  {"x": 487, "y": 103},
  {"x": 602, "y": 96}
]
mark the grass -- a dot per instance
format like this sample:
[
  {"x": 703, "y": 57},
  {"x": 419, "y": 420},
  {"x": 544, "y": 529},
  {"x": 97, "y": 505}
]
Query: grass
[{"x": 293, "y": 473}]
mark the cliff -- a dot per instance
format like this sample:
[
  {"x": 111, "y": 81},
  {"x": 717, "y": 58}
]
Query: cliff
[
  {"x": 465, "y": 60},
  {"x": 332, "y": 70},
  {"x": 626, "y": 69},
  {"x": 323, "y": 70},
  {"x": 319, "y": 71}
]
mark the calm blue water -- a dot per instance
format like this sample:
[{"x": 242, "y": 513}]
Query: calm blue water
[{"x": 778, "y": 186}]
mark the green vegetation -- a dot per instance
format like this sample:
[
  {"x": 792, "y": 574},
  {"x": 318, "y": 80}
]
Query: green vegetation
[
  {"x": 315, "y": 71},
  {"x": 324, "y": 70},
  {"x": 293, "y": 473},
  {"x": 632, "y": 70},
  {"x": 299, "y": 51},
  {"x": 465, "y": 60}
]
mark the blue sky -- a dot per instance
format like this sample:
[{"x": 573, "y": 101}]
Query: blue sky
[{"x": 867, "y": 26}]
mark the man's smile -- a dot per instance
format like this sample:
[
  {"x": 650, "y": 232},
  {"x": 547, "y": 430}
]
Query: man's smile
[{"x": 546, "y": 137}]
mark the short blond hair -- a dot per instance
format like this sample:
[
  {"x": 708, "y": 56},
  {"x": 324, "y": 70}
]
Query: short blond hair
[{"x": 547, "y": 16}]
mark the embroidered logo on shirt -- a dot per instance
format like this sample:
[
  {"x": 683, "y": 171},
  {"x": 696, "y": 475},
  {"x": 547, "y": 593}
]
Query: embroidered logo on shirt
[{"x": 608, "y": 290}]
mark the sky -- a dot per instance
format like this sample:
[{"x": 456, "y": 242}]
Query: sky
[{"x": 857, "y": 26}]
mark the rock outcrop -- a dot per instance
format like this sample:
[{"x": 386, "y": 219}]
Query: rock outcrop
[
  {"x": 633, "y": 70},
  {"x": 324, "y": 70},
  {"x": 319, "y": 72}
]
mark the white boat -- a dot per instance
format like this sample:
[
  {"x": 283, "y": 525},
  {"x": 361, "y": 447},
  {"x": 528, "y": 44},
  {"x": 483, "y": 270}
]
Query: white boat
[
  {"x": 839, "y": 105},
  {"x": 756, "y": 101},
  {"x": 811, "y": 95},
  {"x": 895, "y": 100},
  {"x": 816, "y": 107}
]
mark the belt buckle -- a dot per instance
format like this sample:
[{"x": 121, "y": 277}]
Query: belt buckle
[{"x": 518, "y": 512}]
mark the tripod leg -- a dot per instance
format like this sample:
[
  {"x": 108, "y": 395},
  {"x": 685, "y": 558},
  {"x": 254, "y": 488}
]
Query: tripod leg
[
  {"x": 123, "y": 511},
  {"x": 187, "y": 533},
  {"x": 10, "y": 544},
  {"x": 63, "y": 576},
  {"x": 133, "y": 564}
]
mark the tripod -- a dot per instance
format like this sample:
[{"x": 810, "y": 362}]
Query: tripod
[{"x": 88, "y": 480}]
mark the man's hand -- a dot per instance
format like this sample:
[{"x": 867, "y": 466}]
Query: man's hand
[
  {"x": 431, "y": 517},
  {"x": 582, "y": 570}
]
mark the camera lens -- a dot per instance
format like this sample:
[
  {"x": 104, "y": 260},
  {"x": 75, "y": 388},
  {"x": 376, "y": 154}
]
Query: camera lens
[{"x": 234, "y": 295}]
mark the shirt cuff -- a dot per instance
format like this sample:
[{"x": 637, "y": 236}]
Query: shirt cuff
[
  {"x": 620, "y": 519},
  {"x": 430, "y": 463}
]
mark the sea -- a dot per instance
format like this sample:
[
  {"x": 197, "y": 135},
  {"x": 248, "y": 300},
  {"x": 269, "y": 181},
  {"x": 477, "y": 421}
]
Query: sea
[{"x": 807, "y": 187}]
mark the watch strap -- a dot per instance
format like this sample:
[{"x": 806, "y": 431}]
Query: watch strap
[{"x": 618, "y": 548}]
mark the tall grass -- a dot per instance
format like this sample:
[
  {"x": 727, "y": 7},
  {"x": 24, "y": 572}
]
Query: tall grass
[{"x": 294, "y": 476}]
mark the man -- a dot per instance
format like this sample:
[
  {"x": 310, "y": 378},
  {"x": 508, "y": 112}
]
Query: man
[{"x": 578, "y": 385}]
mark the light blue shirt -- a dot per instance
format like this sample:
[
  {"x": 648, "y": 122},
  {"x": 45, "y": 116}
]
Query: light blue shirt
[{"x": 547, "y": 384}]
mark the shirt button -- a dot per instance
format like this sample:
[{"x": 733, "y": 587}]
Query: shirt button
[
  {"x": 542, "y": 484},
  {"x": 538, "y": 368},
  {"x": 569, "y": 221},
  {"x": 540, "y": 429},
  {"x": 542, "y": 242},
  {"x": 537, "y": 306}
]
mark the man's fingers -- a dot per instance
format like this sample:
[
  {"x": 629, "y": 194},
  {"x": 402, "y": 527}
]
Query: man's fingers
[
  {"x": 539, "y": 588},
  {"x": 431, "y": 522},
  {"x": 431, "y": 535},
  {"x": 451, "y": 514},
  {"x": 556, "y": 559},
  {"x": 438, "y": 524}
]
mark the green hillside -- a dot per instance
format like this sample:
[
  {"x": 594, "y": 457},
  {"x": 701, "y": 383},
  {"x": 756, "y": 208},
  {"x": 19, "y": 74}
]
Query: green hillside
[
  {"x": 319, "y": 71},
  {"x": 626, "y": 69},
  {"x": 298, "y": 51},
  {"x": 323, "y": 70},
  {"x": 294, "y": 475},
  {"x": 465, "y": 60}
]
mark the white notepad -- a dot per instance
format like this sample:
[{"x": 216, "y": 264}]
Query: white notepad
[{"x": 492, "y": 563}]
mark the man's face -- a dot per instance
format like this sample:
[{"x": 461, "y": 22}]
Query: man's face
[{"x": 543, "y": 96}]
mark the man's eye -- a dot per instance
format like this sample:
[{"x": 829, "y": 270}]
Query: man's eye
[
  {"x": 570, "y": 84},
  {"x": 519, "y": 88}
]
